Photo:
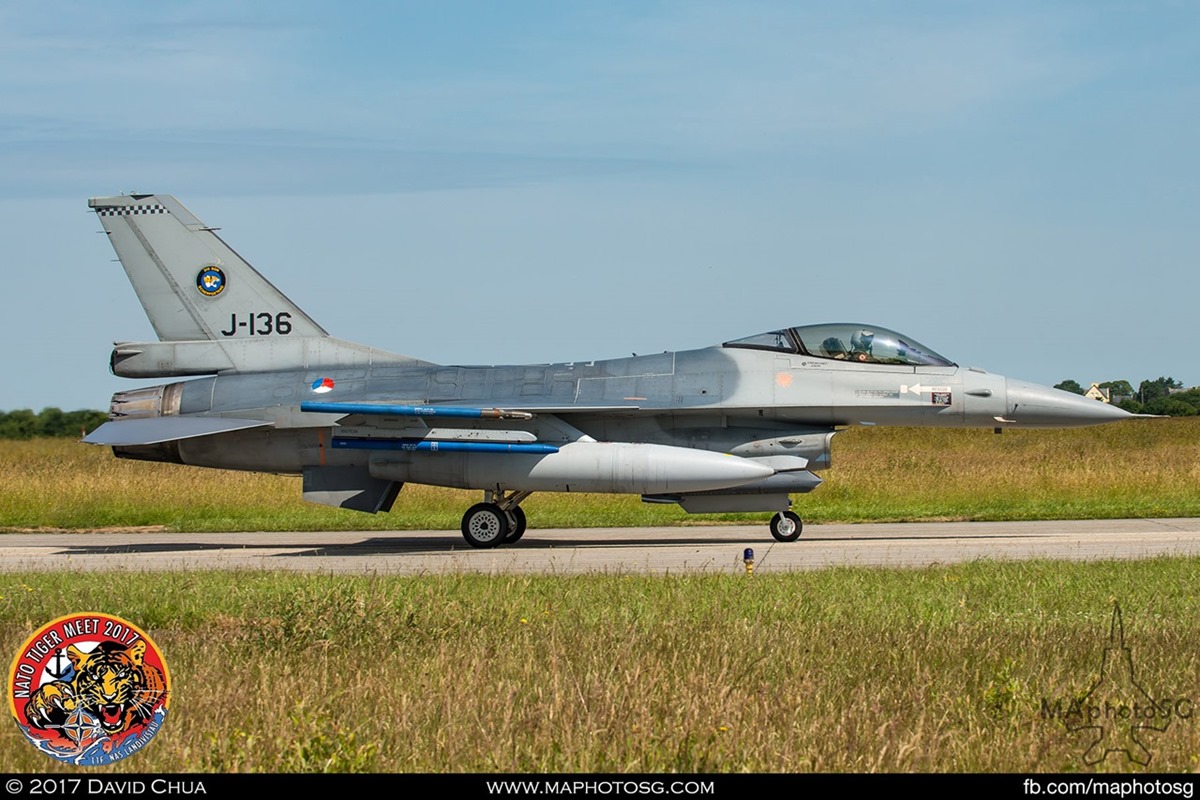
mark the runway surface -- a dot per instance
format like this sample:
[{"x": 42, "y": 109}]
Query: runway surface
[{"x": 712, "y": 549}]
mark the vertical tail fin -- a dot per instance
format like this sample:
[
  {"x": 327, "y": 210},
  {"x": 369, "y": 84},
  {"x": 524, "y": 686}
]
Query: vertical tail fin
[
  {"x": 193, "y": 285},
  {"x": 213, "y": 312}
]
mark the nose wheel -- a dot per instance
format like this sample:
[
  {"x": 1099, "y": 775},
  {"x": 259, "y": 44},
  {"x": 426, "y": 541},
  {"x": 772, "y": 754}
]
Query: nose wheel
[{"x": 786, "y": 526}]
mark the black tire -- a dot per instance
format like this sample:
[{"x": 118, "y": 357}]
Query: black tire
[
  {"x": 484, "y": 525},
  {"x": 786, "y": 526},
  {"x": 516, "y": 525}
]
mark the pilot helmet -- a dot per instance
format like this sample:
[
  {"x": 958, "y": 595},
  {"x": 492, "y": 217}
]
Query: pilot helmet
[{"x": 862, "y": 340}]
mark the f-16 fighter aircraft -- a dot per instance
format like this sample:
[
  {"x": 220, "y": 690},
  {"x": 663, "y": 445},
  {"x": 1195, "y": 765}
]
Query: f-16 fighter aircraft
[{"x": 740, "y": 426}]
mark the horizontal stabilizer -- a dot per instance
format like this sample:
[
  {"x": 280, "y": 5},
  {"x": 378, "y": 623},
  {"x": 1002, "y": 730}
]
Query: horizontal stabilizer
[{"x": 153, "y": 430}]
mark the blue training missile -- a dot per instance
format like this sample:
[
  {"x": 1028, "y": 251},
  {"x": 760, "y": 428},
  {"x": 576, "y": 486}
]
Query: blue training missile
[
  {"x": 376, "y": 409},
  {"x": 434, "y": 446}
]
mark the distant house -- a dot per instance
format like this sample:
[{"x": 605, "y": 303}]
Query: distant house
[{"x": 1096, "y": 393}]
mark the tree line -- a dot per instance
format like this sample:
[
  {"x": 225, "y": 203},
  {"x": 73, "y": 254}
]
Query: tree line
[
  {"x": 24, "y": 424},
  {"x": 1159, "y": 396}
]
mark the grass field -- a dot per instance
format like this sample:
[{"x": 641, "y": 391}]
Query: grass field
[
  {"x": 1137, "y": 468},
  {"x": 947, "y": 669},
  {"x": 931, "y": 670}
]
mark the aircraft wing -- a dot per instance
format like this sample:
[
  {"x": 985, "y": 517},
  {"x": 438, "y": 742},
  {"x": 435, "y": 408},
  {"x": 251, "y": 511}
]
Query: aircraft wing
[
  {"x": 391, "y": 426},
  {"x": 154, "y": 430},
  {"x": 448, "y": 410}
]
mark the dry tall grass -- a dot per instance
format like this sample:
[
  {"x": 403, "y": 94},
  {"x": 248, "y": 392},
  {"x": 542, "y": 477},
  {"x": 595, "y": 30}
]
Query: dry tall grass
[{"x": 843, "y": 670}]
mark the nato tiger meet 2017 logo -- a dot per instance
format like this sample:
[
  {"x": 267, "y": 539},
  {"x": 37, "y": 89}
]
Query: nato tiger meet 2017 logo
[{"x": 89, "y": 689}]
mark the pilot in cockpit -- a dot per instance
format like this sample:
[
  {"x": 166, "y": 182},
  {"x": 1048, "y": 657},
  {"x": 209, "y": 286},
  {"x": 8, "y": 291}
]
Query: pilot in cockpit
[{"x": 860, "y": 345}]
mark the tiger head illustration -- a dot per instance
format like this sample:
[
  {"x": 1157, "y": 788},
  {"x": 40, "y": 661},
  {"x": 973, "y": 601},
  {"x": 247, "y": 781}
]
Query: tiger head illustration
[
  {"x": 115, "y": 685},
  {"x": 112, "y": 683}
]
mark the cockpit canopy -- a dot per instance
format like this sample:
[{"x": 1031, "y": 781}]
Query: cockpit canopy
[{"x": 846, "y": 341}]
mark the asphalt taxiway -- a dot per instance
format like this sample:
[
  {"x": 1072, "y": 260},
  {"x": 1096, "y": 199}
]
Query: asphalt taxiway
[{"x": 674, "y": 550}]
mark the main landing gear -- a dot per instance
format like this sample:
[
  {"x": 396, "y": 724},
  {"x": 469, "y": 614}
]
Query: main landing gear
[
  {"x": 497, "y": 520},
  {"x": 786, "y": 526}
]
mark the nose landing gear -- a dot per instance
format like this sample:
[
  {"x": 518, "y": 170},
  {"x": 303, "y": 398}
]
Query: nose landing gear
[{"x": 786, "y": 526}]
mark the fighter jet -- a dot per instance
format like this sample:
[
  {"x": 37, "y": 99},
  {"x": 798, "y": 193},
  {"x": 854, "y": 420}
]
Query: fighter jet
[{"x": 739, "y": 426}]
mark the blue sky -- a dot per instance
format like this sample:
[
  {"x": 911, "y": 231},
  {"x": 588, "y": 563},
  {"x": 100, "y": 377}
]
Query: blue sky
[{"x": 1014, "y": 184}]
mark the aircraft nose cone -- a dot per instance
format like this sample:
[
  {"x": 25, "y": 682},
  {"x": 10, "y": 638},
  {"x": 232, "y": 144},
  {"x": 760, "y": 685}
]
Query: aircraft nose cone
[{"x": 1033, "y": 405}]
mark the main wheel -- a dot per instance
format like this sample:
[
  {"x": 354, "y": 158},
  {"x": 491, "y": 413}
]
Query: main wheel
[
  {"x": 516, "y": 525},
  {"x": 485, "y": 525},
  {"x": 786, "y": 526}
]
